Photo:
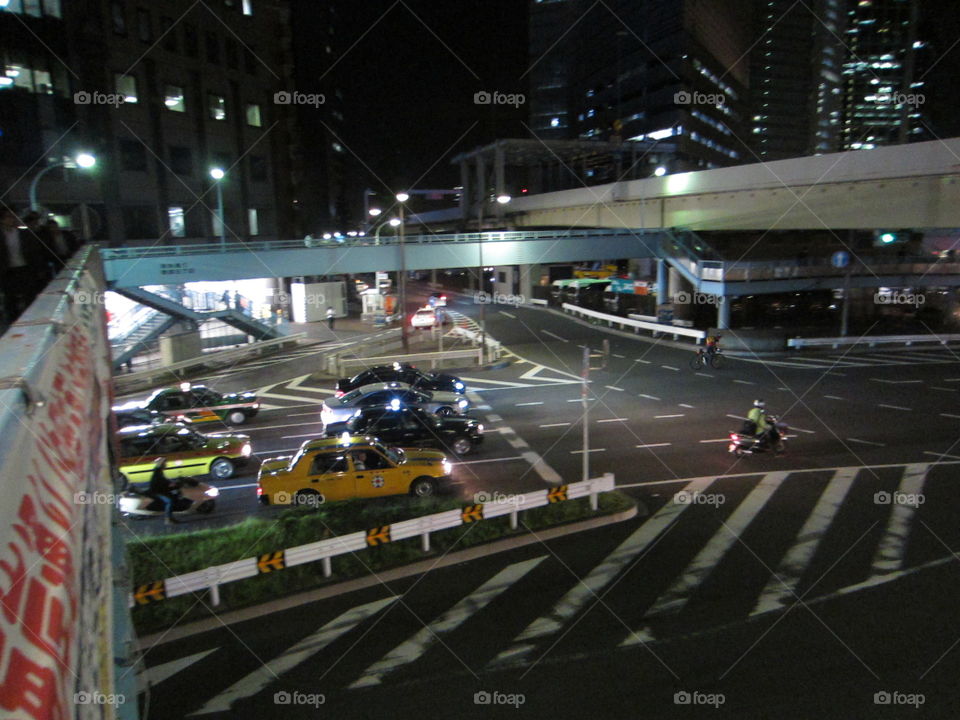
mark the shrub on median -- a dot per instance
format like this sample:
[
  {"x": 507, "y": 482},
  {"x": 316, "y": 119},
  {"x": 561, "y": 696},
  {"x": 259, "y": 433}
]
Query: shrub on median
[{"x": 160, "y": 557}]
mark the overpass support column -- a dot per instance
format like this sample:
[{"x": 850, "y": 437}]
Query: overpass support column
[
  {"x": 662, "y": 289},
  {"x": 529, "y": 277},
  {"x": 723, "y": 313},
  {"x": 465, "y": 192}
]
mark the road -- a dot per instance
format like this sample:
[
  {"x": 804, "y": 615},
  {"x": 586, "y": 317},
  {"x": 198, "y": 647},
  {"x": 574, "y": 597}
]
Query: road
[{"x": 818, "y": 584}]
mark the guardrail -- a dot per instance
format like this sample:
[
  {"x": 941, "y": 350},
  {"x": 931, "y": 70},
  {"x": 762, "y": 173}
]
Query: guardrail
[
  {"x": 494, "y": 346},
  {"x": 907, "y": 340},
  {"x": 342, "y": 364},
  {"x": 655, "y": 327},
  {"x": 212, "y": 578},
  {"x": 148, "y": 378}
]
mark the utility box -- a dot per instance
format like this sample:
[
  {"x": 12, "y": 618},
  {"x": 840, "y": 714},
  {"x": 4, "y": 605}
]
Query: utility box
[
  {"x": 180, "y": 346},
  {"x": 309, "y": 301}
]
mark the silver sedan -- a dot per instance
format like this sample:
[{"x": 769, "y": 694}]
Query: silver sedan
[{"x": 343, "y": 408}]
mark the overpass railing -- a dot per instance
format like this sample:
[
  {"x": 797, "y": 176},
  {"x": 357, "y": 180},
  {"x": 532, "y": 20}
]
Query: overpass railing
[
  {"x": 131, "y": 253},
  {"x": 871, "y": 341}
]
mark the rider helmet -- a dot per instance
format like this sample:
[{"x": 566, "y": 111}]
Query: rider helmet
[{"x": 759, "y": 404}]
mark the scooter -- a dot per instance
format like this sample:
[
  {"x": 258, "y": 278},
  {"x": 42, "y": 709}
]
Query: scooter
[
  {"x": 745, "y": 443},
  {"x": 194, "y": 496}
]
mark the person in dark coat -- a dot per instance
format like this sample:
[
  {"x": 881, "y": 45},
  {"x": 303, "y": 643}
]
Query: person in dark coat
[
  {"x": 23, "y": 265},
  {"x": 162, "y": 489}
]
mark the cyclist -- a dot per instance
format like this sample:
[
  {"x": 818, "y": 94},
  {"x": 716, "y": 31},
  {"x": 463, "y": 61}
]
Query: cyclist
[{"x": 713, "y": 344}]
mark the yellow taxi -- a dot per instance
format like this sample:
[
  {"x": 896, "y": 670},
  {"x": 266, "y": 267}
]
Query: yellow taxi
[
  {"x": 350, "y": 466},
  {"x": 188, "y": 452}
]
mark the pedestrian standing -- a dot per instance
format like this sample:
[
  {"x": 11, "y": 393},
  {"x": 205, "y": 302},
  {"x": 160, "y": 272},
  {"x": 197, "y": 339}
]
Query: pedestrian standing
[
  {"x": 330, "y": 316},
  {"x": 23, "y": 265}
]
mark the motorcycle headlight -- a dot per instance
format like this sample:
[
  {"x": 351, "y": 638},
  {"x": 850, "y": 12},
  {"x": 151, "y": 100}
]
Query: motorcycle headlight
[
  {"x": 246, "y": 450},
  {"x": 479, "y": 428},
  {"x": 462, "y": 403},
  {"x": 447, "y": 467},
  {"x": 212, "y": 492}
]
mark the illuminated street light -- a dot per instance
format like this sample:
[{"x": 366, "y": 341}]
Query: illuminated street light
[
  {"x": 82, "y": 160},
  {"x": 218, "y": 174}
]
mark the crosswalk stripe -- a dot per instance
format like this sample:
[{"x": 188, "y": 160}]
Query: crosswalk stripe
[
  {"x": 892, "y": 548},
  {"x": 413, "y": 648},
  {"x": 571, "y": 603},
  {"x": 696, "y": 572},
  {"x": 310, "y": 645},
  {"x": 783, "y": 584},
  {"x": 159, "y": 673}
]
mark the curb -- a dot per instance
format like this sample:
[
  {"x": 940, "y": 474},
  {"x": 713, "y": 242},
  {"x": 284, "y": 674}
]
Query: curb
[{"x": 360, "y": 583}]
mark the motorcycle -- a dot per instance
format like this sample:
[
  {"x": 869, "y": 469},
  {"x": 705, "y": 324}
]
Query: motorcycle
[
  {"x": 192, "y": 496},
  {"x": 747, "y": 443}
]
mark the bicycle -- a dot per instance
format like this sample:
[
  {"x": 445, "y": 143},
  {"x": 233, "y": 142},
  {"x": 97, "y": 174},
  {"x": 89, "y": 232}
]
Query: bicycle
[{"x": 702, "y": 357}]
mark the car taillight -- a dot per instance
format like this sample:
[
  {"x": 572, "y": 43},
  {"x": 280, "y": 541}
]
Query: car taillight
[
  {"x": 259, "y": 491},
  {"x": 339, "y": 393}
]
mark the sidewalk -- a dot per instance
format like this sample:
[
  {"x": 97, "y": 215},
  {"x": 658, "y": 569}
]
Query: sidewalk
[{"x": 346, "y": 328}]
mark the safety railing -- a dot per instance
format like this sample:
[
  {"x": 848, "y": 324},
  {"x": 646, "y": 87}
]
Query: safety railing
[
  {"x": 212, "y": 578},
  {"x": 871, "y": 341},
  {"x": 656, "y": 328},
  {"x": 343, "y": 366}
]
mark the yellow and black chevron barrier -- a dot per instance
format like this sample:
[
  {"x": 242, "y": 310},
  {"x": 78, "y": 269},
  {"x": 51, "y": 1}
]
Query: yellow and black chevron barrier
[
  {"x": 151, "y": 592},
  {"x": 270, "y": 562},
  {"x": 557, "y": 494},
  {"x": 378, "y": 536},
  {"x": 471, "y": 513}
]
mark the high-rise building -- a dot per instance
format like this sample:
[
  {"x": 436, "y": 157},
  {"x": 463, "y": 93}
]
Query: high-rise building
[
  {"x": 795, "y": 75},
  {"x": 161, "y": 93},
  {"x": 881, "y": 89},
  {"x": 626, "y": 70}
]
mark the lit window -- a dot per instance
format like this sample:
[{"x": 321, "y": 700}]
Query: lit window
[
  {"x": 173, "y": 98},
  {"x": 248, "y": 7},
  {"x": 253, "y": 115},
  {"x": 126, "y": 87},
  {"x": 253, "y": 221},
  {"x": 218, "y": 107},
  {"x": 178, "y": 227}
]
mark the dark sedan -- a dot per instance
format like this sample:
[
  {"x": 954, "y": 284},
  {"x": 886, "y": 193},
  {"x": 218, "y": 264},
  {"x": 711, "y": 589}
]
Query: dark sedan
[
  {"x": 413, "y": 427},
  {"x": 403, "y": 373}
]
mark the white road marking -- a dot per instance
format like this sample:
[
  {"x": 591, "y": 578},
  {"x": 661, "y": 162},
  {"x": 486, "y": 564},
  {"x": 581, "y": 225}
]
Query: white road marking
[
  {"x": 613, "y": 420},
  {"x": 493, "y": 417},
  {"x": 580, "y": 452},
  {"x": 833, "y": 397},
  {"x": 509, "y": 315},
  {"x": 304, "y": 414},
  {"x": 612, "y": 387},
  {"x": 557, "y": 337},
  {"x": 941, "y": 455},
  {"x": 277, "y": 427},
  {"x": 684, "y": 405},
  {"x": 645, "y": 362},
  {"x": 943, "y": 389},
  {"x": 896, "y": 382},
  {"x": 236, "y": 487},
  {"x": 892, "y": 549},
  {"x": 653, "y": 445},
  {"x": 782, "y": 586},
  {"x": 670, "y": 367},
  {"x": 893, "y": 407},
  {"x": 413, "y": 648},
  {"x": 575, "y": 400},
  {"x": 719, "y": 440},
  {"x": 295, "y": 437},
  {"x": 159, "y": 673},
  {"x": 658, "y": 417},
  {"x": 706, "y": 375},
  {"x": 546, "y": 473},
  {"x": 528, "y": 404},
  {"x": 744, "y": 382},
  {"x": 956, "y": 417},
  {"x": 649, "y": 397},
  {"x": 622, "y": 357},
  {"x": 866, "y": 442},
  {"x": 696, "y": 572},
  {"x": 293, "y": 656},
  {"x": 486, "y": 460},
  {"x": 555, "y": 425},
  {"x": 590, "y": 586}
]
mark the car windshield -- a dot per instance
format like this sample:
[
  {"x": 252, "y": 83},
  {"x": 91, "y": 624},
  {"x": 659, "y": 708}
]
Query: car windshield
[
  {"x": 396, "y": 455},
  {"x": 350, "y": 397}
]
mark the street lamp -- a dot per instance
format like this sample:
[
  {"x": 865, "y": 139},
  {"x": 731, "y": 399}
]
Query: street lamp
[
  {"x": 502, "y": 199},
  {"x": 392, "y": 222},
  {"x": 82, "y": 160},
  {"x": 218, "y": 174},
  {"x": 402, "y": 197}
]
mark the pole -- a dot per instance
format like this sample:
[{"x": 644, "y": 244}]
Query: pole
[
  {"x": 404, "y": 334},
  {"x": 366, "y": 209},
  {"x": 36, "y": 179},
  {"x": 584, "y": 390},
  {"x": 845, "y": 312},
  {"x": 223, "y": 225},
  {"x": 483, "y": 306}
]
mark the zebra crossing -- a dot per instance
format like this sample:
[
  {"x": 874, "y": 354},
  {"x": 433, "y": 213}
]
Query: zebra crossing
[
  {"x": 863, "y": 359},
  {"x": 639, "y": 584}
]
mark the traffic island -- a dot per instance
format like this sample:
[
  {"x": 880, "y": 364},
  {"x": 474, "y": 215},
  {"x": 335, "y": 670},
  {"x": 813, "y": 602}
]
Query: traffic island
[{"x": 211, "y": 572}]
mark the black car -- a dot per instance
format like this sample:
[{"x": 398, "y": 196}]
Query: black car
[
  {"x": 133, "y": 414},
  {"x": 413, "y": 427},
  {"x": 404, "y": 373}
]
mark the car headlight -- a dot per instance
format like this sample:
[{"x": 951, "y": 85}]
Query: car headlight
[
  {"x": 447, "y": 467},
  {"x": 462, "y": 403},
  {"x": 246, "y": 450},
  {"x": 459, "y": 386},
  {"x": 256, "y": 406},
  {"x": 211, "y": 492}
]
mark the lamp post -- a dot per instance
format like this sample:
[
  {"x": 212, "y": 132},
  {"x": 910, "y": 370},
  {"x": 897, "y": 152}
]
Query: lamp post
[
  {"x": 404, "y": 333},
  {"x": 501, "y": 199},
  {"x": 368, "y": 212},
  {"x": 392, "y": 222},
  {"x": 83, "y": 160},
  {"x": 218, "y": 174}
]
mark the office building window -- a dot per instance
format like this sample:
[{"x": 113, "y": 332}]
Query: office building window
[
  {"x": 32, "y": 7},
  {"x": 126, "y": 86},
  {"x": 190, "y": 41},
  {"x": 258, "y": 168},
  {"x": 178, "y": 225},
  {"x": 139, "y": 221},
  {"x": 181, "y": 160},
  {"x": 213, "y": 48},
  {"x": 119, "y": 15},
  {"x": 169, "y": 34},
  {"x": 217, "y": 105},
  {"x": 253, "y": 115},
  {"x": 253, "y": 221},
  {"x": 144, "y": 27},
  {"x": 249, "y": 61},
  {"x": 173, "y": 98},
  {"x": 248, "y": 7},
  {"x": 133, "y": 156},
  {"x": 51, "y": 8}
]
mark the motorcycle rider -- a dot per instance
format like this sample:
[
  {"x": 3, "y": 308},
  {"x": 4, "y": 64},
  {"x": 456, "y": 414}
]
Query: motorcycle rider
[
  {"x": 161, "y": 489},
  {"x": 765, "y": 432}
]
